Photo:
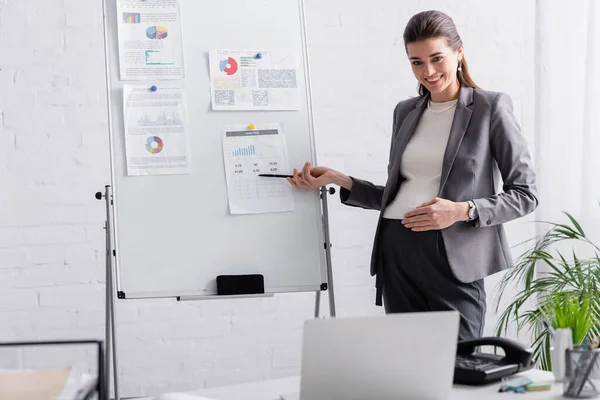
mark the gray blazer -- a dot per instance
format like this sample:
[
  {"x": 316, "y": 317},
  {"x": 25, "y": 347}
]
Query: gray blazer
[{"x": 485, "y": 146}]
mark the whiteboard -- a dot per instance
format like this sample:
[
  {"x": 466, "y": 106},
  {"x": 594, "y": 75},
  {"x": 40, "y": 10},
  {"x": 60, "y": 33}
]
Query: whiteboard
[{"x": 173, "y": 233}]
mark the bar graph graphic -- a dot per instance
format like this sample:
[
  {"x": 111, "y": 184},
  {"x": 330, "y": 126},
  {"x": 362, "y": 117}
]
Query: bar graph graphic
[
  {"x": 244, "y": 151},
  {"x": 131, "y": 18},
  {"x": 248, "y": 152}
]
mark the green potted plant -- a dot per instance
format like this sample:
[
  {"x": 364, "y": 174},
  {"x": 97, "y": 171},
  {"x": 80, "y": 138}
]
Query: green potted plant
[{"x": 565, "y": 290}]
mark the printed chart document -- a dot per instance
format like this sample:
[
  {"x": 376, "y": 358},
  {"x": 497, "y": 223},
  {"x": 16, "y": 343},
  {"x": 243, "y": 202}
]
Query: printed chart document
[
  {"x": 247, "y": 153},
  {"x": 254, "y": 80},
  {"x": 156, "y": 140},
  {"x": 150, "y": 46}
]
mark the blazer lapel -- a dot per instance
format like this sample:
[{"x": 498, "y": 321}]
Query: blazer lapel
[
  {"x": 406, "y": 130},
  {"x": 462, "y": 116}
]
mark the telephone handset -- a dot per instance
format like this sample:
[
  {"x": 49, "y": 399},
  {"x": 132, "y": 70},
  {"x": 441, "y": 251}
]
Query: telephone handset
[{"x": 474, "y": 368}]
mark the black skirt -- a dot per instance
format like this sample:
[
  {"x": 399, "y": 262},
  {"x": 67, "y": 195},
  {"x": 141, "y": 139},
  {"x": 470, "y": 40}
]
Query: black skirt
[{"x": 415, "y": 276}]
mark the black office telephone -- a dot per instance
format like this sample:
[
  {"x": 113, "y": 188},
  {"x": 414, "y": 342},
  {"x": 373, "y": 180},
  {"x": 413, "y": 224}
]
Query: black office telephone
[{"x": 473, "y": 368}]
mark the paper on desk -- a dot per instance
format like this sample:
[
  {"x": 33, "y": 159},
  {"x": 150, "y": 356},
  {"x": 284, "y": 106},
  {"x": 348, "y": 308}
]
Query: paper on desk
[
  {"x": 78, "y": 386},
  {"x": 180, "y": 396},
  {"x": 33, "y": 385}
]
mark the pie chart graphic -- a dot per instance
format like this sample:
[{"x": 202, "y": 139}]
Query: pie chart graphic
[
  {"x": 229, "y": 66},
  {"x": 154, "y": 144},
  {"x": 156, "y": 32}
]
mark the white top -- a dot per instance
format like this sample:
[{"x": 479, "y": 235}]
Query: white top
[{"x": 421, "y": 162}]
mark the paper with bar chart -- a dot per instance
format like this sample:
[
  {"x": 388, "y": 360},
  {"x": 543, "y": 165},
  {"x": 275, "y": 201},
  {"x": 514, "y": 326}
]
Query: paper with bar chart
[
  {"x": 150, "y": 45},
  {"x": 156, "y": 140},
  {"x": 248, "y": 153}
]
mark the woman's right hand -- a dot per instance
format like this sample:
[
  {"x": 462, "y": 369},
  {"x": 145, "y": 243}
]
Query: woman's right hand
[{"x": 312, "y": 178}]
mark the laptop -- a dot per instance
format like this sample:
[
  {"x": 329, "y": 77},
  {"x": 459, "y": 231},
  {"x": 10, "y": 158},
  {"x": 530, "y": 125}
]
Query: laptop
[{"x": 397, "y": 356}]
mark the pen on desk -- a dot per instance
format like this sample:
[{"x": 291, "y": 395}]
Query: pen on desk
[{"x": 275, "y": 176}]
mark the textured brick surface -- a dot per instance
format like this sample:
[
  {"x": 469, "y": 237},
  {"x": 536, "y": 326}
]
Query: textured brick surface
[{"x": 54, "y": 156}]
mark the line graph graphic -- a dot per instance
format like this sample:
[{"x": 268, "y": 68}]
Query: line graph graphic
[{"x": 161, "y": 119}]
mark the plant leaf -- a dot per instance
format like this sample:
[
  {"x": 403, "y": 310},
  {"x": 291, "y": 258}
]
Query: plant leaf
[{"x": 575, "y": 223}]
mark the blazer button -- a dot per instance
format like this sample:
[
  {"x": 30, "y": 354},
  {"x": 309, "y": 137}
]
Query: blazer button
[{"x": 489, "y": 221}]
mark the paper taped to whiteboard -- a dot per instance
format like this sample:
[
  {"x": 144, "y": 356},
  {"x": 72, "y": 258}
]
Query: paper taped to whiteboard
[
  {"x": 156, "y": 139},
  {"x": 247, "y": 153},
  {"x": 254, "y": 80},
  {"x": 150, "y": 43}
]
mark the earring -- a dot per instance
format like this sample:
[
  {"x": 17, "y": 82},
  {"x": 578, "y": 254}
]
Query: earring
[{"x": 459, "y": 67}]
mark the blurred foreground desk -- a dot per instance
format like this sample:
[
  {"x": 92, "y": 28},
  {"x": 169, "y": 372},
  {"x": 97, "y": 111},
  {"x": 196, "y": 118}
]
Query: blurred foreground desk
[{"x": 271, "y": 390}]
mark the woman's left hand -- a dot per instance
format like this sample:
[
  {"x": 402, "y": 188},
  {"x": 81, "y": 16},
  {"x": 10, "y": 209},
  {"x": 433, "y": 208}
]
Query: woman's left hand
[{"x": 436, "y": 214}]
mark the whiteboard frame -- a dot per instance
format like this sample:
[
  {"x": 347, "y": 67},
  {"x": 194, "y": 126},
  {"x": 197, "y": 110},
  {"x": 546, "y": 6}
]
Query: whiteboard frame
[{"x": 111, "y": 51}]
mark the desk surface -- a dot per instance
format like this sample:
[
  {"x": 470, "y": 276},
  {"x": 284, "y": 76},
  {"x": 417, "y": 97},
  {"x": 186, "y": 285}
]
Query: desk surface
[{"x": 271, "y": 389}]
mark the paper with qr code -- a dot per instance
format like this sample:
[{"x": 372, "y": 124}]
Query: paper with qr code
[{"x": 254, "y": 80}]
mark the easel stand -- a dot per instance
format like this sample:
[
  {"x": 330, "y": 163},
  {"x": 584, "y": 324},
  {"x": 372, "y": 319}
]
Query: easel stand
[
  {"x": 110, "y": 337},
  {"x": 324, "y": 192}
]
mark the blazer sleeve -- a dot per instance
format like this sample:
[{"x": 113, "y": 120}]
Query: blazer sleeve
[
  {"x": 365, "y": 194},
  {"x": 509, "y": 149}
]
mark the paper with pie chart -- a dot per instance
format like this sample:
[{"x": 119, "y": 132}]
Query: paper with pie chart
[
  {"x": 254, "y": 80},
  {"x": 150, "y": 45},
  {"x": 247, "y": 152},
  {"x": 156, "y": 139}
]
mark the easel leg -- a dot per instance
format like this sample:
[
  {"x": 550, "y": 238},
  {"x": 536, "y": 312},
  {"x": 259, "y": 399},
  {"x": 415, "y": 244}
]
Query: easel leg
[
  {"x": 317, "y": 303},
  {"x": 110, "y": 335},
  {"x": 108, "y": 317},
  {"x": 324, "y": 192},
  {"x": 111, "y": 314}
]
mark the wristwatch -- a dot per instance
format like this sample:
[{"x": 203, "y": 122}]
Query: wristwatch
[{"x": 472, "y": 211}]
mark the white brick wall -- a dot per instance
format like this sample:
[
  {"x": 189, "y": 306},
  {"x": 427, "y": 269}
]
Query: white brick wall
[{"x": 54, "y": 156}]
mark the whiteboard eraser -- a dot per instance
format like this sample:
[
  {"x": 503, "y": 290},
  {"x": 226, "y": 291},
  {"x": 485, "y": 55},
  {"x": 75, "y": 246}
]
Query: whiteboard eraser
[{"x": 240, "y": 284}]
